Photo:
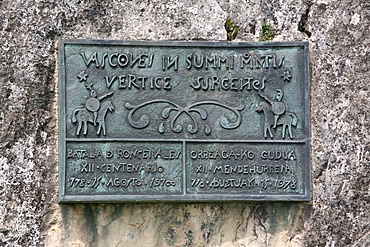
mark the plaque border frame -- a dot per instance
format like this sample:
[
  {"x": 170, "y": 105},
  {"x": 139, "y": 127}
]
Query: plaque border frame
[{"x": 63, "y": 198}]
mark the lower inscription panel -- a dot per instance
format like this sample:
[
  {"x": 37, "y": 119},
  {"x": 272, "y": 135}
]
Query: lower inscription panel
[
  {"x": 124, "y": 168},
  {"x": 184, "y": 171},
  {"x": 239, "y": 168}
]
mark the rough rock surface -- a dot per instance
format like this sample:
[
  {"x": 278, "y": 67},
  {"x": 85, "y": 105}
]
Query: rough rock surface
[{"x": 338, "y": 215}]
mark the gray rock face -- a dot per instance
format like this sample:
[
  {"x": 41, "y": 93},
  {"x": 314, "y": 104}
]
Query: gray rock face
[{"x": 338, "y": 215}]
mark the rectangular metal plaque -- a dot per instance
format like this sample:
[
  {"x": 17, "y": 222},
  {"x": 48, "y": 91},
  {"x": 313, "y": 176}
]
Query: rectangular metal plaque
[{"x": 183, "y": 121}]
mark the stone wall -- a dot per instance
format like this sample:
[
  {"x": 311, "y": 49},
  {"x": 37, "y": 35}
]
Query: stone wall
[{"x": 338, "y": 215}]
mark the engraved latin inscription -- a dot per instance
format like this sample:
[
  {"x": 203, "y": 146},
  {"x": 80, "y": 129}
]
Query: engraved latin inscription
[{"x": 95, "y": 110}]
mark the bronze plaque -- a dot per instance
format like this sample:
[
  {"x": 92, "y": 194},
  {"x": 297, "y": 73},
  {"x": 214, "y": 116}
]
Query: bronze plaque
[{"x": 183, "y": 121}]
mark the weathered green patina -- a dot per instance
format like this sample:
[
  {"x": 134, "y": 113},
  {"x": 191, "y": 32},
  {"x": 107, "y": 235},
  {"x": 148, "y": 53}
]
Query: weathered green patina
[{"x": 183, "y": 121}]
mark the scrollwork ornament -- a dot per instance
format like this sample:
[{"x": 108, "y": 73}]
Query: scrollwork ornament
[{"x": 191, "y": 111}]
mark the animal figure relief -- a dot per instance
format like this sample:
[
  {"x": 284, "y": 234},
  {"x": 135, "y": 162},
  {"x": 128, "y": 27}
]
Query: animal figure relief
[
  {"x": 276, "y": 117},
  {"x": 277, "y": 107},
  {"x": 93, "y": 103},
  {"x": 83, "y": 116}
]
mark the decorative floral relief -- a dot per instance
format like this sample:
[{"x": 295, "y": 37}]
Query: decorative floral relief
[{"x": 190, "y": 111}]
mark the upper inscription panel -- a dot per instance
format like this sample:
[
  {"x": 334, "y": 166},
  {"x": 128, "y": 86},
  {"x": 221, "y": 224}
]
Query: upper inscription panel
[
  {"x": 203, "y": 100},
  {"x": 222, "y": 91}
]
